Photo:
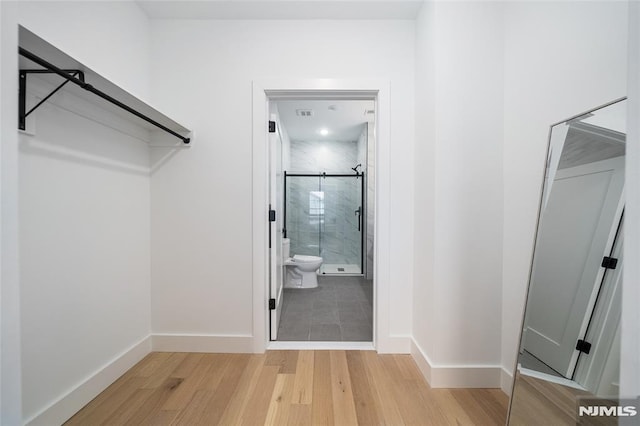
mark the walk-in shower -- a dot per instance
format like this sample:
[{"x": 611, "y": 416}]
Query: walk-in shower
[{"x": 324, "y": 216}]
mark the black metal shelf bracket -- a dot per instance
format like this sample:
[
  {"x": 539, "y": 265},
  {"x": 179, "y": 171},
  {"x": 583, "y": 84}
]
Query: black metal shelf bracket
[
  {"x": 76, "y": 77},
  {"x": 22, "y": 103}
]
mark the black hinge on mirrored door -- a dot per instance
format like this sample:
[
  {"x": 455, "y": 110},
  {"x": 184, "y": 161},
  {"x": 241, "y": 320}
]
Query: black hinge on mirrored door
[
  {"x": 609, "y": 262},
  {"x": 583, "y": 346},
  {"x": 272, "y": 218},
  {"x": 272, "y": 126}
]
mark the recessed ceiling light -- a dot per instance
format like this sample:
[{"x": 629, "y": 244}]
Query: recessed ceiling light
[{"x": 324, "y": 132}]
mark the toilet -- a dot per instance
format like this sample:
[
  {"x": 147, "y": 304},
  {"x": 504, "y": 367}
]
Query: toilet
[{"x": 300, "y": 271}]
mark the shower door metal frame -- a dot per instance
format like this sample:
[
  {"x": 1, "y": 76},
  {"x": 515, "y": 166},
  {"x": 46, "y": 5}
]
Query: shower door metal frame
[{"x": 362, "y": 220}]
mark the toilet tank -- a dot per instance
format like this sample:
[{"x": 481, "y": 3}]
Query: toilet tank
[{"x": 286, "y": 247}]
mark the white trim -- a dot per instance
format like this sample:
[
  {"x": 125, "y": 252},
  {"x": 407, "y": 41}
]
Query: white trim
[
  {"x": 70, "y": 403},
  {"x": 549, "y": 378},
  {"x": 202, "y": 343},
  {"x": 456, "y": 376},
  {"x": 315, "y": 346},
  {"x": 260, "y": 191},
  {"x": 506, "y": 381},
  {"x": 466, "y": 376},
  {"x": 421, "y": 360},
  {"x": 351, "y": 89},
  {"x": 396, "y": 345}
]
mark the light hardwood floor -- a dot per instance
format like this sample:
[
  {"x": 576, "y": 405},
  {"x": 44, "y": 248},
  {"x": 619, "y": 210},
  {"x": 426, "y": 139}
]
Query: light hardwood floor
[
  {"x": 538, "y": 402},
  {"x": 286, "y": 388}
]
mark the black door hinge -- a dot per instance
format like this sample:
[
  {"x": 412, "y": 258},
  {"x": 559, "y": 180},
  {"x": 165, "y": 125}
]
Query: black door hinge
[
  {"x": 272, "y": 215},
  {"x": 609, "y": 262},
  {"x": 272, "y": 126},
  {"x": 272, "y": 304},
  {"x": 583, "y": 346}
]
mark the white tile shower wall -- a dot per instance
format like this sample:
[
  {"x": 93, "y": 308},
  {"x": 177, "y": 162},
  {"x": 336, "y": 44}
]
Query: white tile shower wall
[
  {"x": 323, "y": 156},
  {"x": 326, "y": 226}
]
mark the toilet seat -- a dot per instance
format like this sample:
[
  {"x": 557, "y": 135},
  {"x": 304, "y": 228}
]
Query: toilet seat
[{"x": 301, "y": 258}]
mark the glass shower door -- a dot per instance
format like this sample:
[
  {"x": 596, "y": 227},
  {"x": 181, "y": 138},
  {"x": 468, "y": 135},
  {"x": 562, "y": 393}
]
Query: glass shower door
[
  {"x": 324, "y": 216},
  {"x": 304, "y": 214},
  {"x": 341, "y": 231}
]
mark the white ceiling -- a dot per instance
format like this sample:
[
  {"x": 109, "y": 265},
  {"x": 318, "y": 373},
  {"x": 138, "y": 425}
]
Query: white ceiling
[
  {"x": 282, "y": 9},
  {"x": 588, "y": 144},
  {"x": 344, "y": 122}
]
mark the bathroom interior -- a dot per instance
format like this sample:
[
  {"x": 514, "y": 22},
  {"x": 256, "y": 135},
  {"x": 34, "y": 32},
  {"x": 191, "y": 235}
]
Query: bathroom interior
[{"x": 324, "y": 161}]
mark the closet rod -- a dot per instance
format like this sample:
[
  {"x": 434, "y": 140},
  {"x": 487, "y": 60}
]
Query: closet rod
[{"x": 38, "y": 60}]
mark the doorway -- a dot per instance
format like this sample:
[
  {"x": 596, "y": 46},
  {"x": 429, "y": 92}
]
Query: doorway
[
  {"x": 321, "y": 186},
  {"x": 265, "y": 91}
]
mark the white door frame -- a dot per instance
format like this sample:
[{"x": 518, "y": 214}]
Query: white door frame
[{"x": 263, "y": 91}]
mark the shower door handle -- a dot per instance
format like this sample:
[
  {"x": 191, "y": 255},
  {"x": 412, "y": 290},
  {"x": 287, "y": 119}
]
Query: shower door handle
[{"x": 359, "y": 214}]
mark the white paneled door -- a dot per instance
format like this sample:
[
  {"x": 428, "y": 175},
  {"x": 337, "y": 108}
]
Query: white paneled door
[{"x": 576, "y": 228}]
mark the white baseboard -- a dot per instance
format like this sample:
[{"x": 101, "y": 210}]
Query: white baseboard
[
  {"x": 456, "y": 376},
  {"x": 69, "y": 404},
  {"x": 201, "y": 343},
  {"x": 421, "y": 360},
  {"x": 394, "y": 345},
  {"x": 506, "y": 381},
  {"x": 461, "y": 376}
]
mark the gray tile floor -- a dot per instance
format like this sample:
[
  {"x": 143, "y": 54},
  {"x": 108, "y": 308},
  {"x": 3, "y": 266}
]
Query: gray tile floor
[{"x": 339, "y": 309}]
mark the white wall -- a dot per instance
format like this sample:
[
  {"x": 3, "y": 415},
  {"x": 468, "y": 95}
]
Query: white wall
[
  {"x": 84, "y": 250},
  {"x": 630, "y": 361},
  {"x": 468, "y": 178},
  {"x": 486, "y": 96},
  {"x": 560, "y": 59},
  {"x": 112, "y": 37},
  {"x": 0, "y": 229},
  {"x": 487, "y": 87},
  {"x": 80, "y": 283},
  {"x": 201, "y": 200},
  {"x": 424, "y": 192},
  {"x": 457, "y": 301}
]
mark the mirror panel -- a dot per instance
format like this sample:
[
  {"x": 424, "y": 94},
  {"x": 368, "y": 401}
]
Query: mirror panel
[{"x": 570, "y": 342}]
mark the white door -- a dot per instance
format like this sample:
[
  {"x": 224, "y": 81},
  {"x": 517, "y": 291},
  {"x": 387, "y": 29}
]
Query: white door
[
  {"x": 275, "y": 228},
  {"x": 576, "y": 231},
  {"x": 599, "y": 372}
]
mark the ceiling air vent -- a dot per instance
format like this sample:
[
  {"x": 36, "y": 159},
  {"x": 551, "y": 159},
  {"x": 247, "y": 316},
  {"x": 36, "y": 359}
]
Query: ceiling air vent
[{"x": 304, "y": 112}]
